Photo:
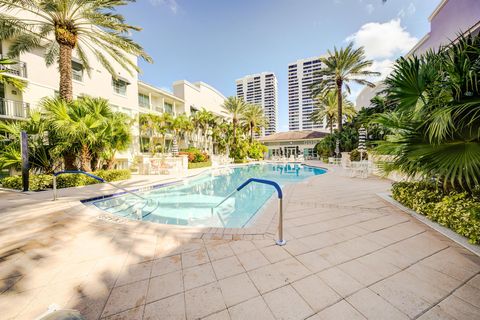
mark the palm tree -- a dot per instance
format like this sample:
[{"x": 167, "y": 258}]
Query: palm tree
[
  {"x": 340, "y": 68},
  {"x": 234, "y": 107},
  {"x": 254, "y": 118},
  {"x": 205, "y": 119},
  {"x": 148, "y": 128},
  {"x": 434, "y": 131},
  {"x": 181, "y": 127},
  {"x": 328, "y": 109},
  {"x": 117, "y": 137},
  {"x": 62, "y": 26},
  {"x": 80, "y": 124}
]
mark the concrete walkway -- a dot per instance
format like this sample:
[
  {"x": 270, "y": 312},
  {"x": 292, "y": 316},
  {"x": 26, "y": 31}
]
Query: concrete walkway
[{"x": 349, "y": 255}]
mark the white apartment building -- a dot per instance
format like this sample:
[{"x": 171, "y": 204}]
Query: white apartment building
[
  {"x": 199, "y": 95},
  {"x": 261, "y": 89},
  {"x": 301, "y": 76}
]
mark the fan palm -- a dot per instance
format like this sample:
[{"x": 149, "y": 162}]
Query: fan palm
[
  {"x": 341, "y": 67},
  {"x": 117, "y": 137},
  {"x": 234, "y": 107},
  {"x": 80, "y": 124},
  {"x": 181, "y": 127},
  {"x": 149, "y": 128},
  {"x": 254, "y": 118},
  {"x": 328, "y": 109},
  {"x": 62, "y": 26},
  {"x": 435, "y": 131}
]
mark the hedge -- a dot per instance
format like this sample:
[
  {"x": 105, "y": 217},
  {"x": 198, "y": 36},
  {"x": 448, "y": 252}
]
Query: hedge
[
  {"x": 196, "y": 165},
  {"x": 458, "y": 211},
  {"x": 40, "y": 182}
]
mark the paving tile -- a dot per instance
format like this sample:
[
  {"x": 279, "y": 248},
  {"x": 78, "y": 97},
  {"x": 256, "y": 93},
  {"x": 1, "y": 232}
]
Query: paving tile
[
  {"x": 134, "y": 272},
  {"x": 163, "y": 286},
  {"x": 340, "y": 281},
  {"x": 436, "y": 313},
  {"x": 278, "y": 274},
  {"x": 203, "y": 301},
  {"x": 222, "y": 315},
  {"x": 255, "y": 308},
  {"x": 374, "y": 307},
  {"x": 368, "y": 272},
  {"x": 339, "y": 311},
  {"x": 453, "y": 263},
  {"x": 469, "y": 294},
  {"x": 169, "y": 308},
  {"x": 460, "y": 309},
  {"x": 333, "y": 255},
  {"x": 198, "y": 276},
  {"x": 316, "y": 293},
  {"x": 252, "y": 260},
  {"x": 313, "y": 261},
  {"x": 237, "y": 289},
  {"x": 407, "y": 293},
  {"x": 132, "y": 314},
  {"x": 227, "y": 267},
  {"x": 242, "y": 246},
  {"x": 287, "y": 304},
  {"x": 475, "y": 282},
  {"x": 219, "y": 251},
  {"x": 275, "y": 253},
  {"x": 166, "y": 265},
  {"x": 194, "y": 258},
  {"x": 126, "y": 297}
]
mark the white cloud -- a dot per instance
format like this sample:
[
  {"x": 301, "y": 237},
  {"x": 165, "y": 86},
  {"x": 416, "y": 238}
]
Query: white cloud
[
  {"x": 370, "y": 8},
  {"x": 171, "y": 4},
  {"x": 383, "y": 66},
  {"x": 383, "y": 40}
]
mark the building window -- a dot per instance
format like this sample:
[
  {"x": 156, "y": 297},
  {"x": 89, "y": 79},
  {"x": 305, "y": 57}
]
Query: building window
[
  {"x": 119, "y": 86},
  {"x": 168, "y": 108},
  {"x": 77, "y": 71},
  {"x": 143, "y": 100}
]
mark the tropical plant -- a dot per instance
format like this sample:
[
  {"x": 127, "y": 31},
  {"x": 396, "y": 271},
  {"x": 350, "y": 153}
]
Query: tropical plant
[
  {"x": 148, "y": 129},
  {"x": 328, "y": 109},
  {"x": 6, "y": 79},
  {"x": 234, "y": 107},
  {"x": 205, "y": 120},
  {"x": 62, "y": 26},
  {"x": 341, "y": 67},
  {"x": 117, "y": 137},
  {"x": 254, "y": 118},
  {"x": 435, "y": 130}
]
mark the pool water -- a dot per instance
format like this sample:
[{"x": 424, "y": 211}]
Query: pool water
[{"x": 193, "y": 202}]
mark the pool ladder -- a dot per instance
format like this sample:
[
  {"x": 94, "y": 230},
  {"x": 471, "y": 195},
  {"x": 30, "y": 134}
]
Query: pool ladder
[{"x": 281, "y": 241}]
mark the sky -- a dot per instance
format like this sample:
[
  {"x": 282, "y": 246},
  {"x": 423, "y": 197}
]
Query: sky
[{"x": 219, "y": 41}]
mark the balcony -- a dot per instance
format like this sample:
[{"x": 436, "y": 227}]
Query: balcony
[
  {"x": 18, "y": 69},
  {"x": 14, "y": 109}
]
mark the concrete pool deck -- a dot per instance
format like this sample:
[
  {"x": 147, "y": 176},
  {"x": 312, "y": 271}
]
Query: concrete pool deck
[{"x": 349, "y": 255}]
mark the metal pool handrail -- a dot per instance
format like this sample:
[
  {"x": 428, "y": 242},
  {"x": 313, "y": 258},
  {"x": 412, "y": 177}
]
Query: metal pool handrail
[
  {"x": 280, "y": 241},
  {"x": 91, "y": 176}
]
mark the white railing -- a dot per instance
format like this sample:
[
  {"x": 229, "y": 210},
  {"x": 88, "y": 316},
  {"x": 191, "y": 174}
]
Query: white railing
[{"x": 14, "y": 109}]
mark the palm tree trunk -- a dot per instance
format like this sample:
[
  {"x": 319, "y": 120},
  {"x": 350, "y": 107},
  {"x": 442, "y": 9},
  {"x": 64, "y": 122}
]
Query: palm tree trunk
[
  {"x": 65, "y": 66},
  {"x": 69, "y": 161},
  {"x": 234, "y": 122},
  {"x": 85, "y": 159},
  {"x": 339, "y": 103},
  {"x": 251, "y": 133},
  {"x": 331, "y": 127}
]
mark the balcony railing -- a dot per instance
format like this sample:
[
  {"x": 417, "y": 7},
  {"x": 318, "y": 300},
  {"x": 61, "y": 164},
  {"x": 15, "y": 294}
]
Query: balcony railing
[
  {"x": 19, "y": 68},
  {"x": 14, "y": 109}
]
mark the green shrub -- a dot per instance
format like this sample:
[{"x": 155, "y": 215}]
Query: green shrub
[
  {"x": 256, "y": 150},
  {"x": 240, "y": 161},
  {"x": 458, "y": 211},
  {"x": 196, "y": 165},
  {"x": 37, "y": 182},
  {"x": 40, "y": 182}
]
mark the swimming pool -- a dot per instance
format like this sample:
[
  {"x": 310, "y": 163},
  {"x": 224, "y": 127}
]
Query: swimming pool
[{"x": 193, "y": 202}]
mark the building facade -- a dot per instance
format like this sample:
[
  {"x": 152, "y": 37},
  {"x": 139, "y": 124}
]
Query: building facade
[
  {"x": 199, "y": 95},
  {"x": 293, "y": 144},
  {"x": 261, "y": 89},
  {"x": 301, "y": 75}
]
